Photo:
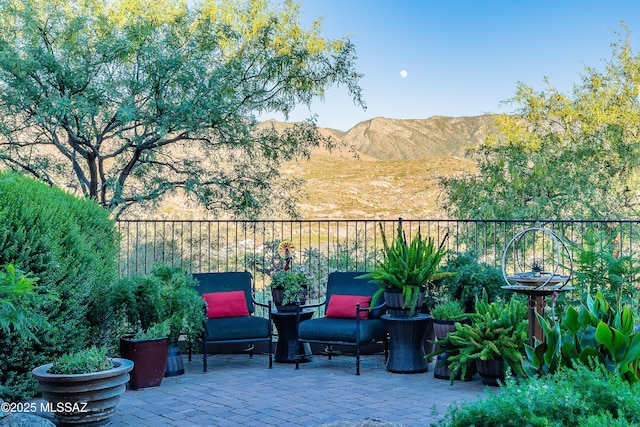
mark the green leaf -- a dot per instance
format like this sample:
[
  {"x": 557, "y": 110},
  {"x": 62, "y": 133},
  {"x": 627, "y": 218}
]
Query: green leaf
[{"x": 613, "y": 340}]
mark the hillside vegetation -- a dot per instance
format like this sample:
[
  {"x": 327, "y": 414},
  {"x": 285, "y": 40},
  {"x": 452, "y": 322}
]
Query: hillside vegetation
[{"x": 394, "y": 172}]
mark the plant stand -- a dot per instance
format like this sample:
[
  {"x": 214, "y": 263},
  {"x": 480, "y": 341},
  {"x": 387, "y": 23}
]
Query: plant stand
[
  {"x": 406, "y": 343},
  {"x": 288, "y": 346},
  {"x": 535, "y": 304}
]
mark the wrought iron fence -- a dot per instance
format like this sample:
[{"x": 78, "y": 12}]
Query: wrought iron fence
[{"x": 326, "y": 245}]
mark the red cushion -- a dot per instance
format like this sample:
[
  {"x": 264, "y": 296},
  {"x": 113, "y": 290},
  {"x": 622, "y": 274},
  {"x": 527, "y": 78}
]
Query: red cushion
[
  {"x": 344, "y": 306},
  {"x": 226, "y": 304}
]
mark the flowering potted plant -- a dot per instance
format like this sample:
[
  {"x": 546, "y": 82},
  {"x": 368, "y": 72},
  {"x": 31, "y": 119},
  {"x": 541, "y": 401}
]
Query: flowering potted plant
[{"x": 289, "y": 283}]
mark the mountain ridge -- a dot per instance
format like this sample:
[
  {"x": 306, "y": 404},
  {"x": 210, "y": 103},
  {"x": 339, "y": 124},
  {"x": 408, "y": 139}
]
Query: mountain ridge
[{"x": 395, "y": 171}]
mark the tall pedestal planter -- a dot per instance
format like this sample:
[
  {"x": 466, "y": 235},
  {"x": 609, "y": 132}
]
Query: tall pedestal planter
[
  {"x": 84, "y": 399},
  {"x": 149, "y": 358}
]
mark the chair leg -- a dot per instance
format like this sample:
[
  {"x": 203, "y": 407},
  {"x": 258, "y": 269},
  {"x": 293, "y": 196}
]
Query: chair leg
[
  {"x": 386, "y": 349},
  {"x": 189, "y": 348},
  {"x": 204, "y": 357},
  {"x": 357, "y": 359},
  {"x": 329, "y": 350},
  {"x": 270, "y": 354}
]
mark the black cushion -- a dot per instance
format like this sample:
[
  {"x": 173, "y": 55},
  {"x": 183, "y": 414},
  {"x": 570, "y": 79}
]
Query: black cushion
[
  {"x": 237, "y": 328},
  {"x": 340, "y": 330}
]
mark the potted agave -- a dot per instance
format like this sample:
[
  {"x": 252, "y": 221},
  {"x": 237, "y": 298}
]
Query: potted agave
[
  {"x": 289, "y": 282},
  {"x": 83, "y": 388},
  {"x": 405, "y": 271}
]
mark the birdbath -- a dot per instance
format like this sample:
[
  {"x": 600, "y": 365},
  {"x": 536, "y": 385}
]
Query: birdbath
[{"x": 536, "y": 283}]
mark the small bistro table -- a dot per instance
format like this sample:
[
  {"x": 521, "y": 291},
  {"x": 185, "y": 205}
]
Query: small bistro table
[
  {"x": 406, "y": 343},
  {"x": 288, "y": 347}
]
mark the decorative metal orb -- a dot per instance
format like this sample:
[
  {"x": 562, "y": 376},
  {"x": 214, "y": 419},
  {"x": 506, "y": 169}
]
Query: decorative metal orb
[{"x": 542, "y": 251}]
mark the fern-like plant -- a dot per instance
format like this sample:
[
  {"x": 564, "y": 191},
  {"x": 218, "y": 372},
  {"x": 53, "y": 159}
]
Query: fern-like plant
[
  {"x": 497, "y": 330},
  {"x": 407, "y": 266}
]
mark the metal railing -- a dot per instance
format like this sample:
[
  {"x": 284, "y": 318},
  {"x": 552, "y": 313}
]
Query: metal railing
[{"x": 326, "y": 245}]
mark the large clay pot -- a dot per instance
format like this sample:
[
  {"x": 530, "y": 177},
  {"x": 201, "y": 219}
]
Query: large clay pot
[
  {"x": 149, "y": 358},
  {"x": 84, "y": 399}
]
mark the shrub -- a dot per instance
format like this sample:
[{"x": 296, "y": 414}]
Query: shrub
[
  {"x": 449, "y": 310},
  {"x": 583, "y": 397},
  {"x": 470, "y": 279},
  {"x": 498, "y": 330},
  {"x": 165, "y": 298},
  {"x": 87, "y": 361},
  {"x": 71, "y": 245}
]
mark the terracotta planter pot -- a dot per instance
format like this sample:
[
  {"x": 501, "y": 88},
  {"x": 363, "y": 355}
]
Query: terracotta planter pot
[
  {"x": 149, "y": 358},
  {"x": 84, "y": 399}
]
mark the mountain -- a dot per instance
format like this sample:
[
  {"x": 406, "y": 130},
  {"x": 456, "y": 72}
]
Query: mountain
[
  {"x": 397, "y": 170},
  {"x": 394, "y": 173},
  {"x": 396, "y": 139}
]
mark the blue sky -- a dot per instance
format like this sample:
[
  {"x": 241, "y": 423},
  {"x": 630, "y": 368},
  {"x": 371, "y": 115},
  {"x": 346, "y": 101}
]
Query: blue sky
[{"x": 463, "y": 58}]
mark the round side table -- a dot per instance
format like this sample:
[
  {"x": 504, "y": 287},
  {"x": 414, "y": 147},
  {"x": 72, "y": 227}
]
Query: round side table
[
  {"x": 288, "y": 346},
  {"x": 406, "y": 338}
]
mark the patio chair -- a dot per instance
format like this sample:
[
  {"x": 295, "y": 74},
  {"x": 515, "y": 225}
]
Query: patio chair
[
  {"x": 230, "y": 308},
  {"x": 347, "y": 320}
]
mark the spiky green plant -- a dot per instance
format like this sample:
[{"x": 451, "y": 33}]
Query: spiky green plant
[{"x": 407, "y": 266}]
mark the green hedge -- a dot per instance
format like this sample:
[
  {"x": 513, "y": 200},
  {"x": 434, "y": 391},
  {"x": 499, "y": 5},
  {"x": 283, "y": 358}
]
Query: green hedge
[
  {"x": 71, "y": 245},
  {"x": 581, "y": 397}
]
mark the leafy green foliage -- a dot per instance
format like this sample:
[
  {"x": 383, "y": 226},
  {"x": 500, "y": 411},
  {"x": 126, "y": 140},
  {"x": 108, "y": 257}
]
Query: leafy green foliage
[
  {"x": 470, "y": 279},
  {"x": 105, "y": 97},
  {"x": 19, "y": 303},
  {"x": 155, "y": 331},
  {"x": 497, "y": 330},
  {"x": 292, "y": 282},
  {"x": 166, "y": 295},
  {"x": 407, "y": 266},
  {"x": 449, "y": 310},
  {"x": 591, "y": 132},
  {"x": 594, "y": 333},
  {"x": 600, "y": 267},
  {"x": 93, "y": 359},
  {"x": 580, "y": 397},
  {"x": 71, "y": 245}
]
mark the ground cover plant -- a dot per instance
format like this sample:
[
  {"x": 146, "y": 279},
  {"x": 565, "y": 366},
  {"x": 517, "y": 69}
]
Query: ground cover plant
[
  {"x": 580, "y": 397},
  {"x": 71, "y": 245}
]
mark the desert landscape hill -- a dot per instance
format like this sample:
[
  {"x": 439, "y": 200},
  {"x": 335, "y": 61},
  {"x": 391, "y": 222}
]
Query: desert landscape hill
[{"x": 395, "y": 174}]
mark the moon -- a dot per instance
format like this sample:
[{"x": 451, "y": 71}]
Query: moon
[{"x": 404, "y": 74}]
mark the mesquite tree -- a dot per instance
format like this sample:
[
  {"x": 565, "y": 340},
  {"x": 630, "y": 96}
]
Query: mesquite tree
[
  {"x": 562, "y": 155},
  {"x": 127, "y": 101}
]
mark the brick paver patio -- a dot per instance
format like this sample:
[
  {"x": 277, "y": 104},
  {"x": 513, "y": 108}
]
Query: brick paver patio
[{"x": 243, "y": 391}]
